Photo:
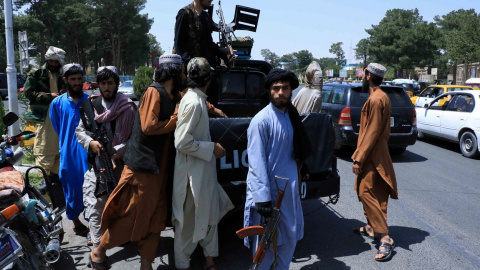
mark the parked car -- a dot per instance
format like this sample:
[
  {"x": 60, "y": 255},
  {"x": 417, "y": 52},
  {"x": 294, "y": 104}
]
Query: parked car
[
  {"x": 456, "y": 120},
  {"x": 474, "y": 83},
  {"x": 419, "y": 87},
  {"x": 90, "y": 86},
  {"x": 345, "y": 103},
  {"x": 4, "y": 84},
  {"x": 434, "y": 91},
  {"x": 126, "y": 88},
  {"x": 408, "y": 87}
]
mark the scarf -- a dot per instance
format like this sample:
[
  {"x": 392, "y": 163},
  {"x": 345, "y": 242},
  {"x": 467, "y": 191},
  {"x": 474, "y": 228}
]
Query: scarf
[{"x": 121, "y": 112}]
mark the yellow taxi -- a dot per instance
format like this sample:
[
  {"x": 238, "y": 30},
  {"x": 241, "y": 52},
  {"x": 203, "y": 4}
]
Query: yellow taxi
[{"x": 433, "y": 91}]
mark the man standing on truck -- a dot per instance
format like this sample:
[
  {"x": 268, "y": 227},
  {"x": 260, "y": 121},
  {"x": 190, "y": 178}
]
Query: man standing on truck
[
  {"x": 136, "y": 211},
  {"x": 309, "y": 99},
  {"x": 372, "y": 163},
  {"x": 65, "y": 116},
  {"x": 193, "y": 38},
  {"x": 116, "y": 113},
  {"x": 42, "y": 85},
  {"x": 199, "y": 202},
  {"x": 277, "y": 146}
]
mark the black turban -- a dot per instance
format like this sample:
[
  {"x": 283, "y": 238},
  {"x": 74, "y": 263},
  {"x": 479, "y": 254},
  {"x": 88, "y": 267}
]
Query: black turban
[
  {"x": 301, "y": 142},
  {"x": 280, "y": 75}
]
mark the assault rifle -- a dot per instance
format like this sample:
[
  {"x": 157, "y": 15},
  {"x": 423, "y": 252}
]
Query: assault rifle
[
  {"x": 266, "y": 231},
  {"x": 225, "y": 31},
  {"x": 104, "y": 165}
]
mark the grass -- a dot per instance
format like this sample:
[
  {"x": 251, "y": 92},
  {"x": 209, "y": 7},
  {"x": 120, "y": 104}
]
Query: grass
[{"x": 34, "y": 178}]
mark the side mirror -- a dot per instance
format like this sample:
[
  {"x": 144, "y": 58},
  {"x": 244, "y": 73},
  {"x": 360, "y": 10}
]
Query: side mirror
[
  {"x": 10, "y": 118},
  {"x": 426, "y": 106}
]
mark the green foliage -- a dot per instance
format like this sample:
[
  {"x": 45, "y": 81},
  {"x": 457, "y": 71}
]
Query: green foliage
[
  {"x": 142, "y": 80},
  {"x": 291, "y": 61},
  {"x": 270, "y": 57},
  {"x": 403, "y": 40},
  {"x": 2, "y": 114},
  {"x": 328, "y": 63},
  {"x": 304, "y": 58},
  {"x": 361, "y": 51},
  {"x": 337, "y": 50}
]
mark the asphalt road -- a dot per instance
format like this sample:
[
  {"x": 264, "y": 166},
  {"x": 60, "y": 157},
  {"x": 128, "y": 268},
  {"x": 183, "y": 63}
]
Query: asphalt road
[{"x": 435, "y": 223}]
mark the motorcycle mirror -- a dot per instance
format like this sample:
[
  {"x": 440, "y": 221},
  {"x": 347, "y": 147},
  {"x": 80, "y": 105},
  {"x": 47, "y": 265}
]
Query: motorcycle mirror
[{"x": 10, "y": 118}]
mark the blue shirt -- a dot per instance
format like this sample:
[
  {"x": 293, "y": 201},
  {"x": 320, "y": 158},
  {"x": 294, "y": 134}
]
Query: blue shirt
[{"x": 271, "y": 153}]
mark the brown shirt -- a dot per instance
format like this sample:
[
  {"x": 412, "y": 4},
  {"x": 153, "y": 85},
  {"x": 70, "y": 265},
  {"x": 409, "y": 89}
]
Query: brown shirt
[
  {"x": 149, "y": 110},
  {"x": 372, "y": 145}
]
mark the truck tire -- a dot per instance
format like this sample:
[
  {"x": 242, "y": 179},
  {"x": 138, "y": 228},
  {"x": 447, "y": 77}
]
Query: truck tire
[{"x": 469, "y": 145}]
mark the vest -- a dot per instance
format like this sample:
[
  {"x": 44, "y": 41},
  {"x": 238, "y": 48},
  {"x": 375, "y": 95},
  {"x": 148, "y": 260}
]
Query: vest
[
  {"x": 144, "y": 152},
  {"x": 196, "y": 30}
]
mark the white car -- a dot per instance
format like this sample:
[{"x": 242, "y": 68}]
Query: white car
[
  {"x": 126, "y": 88},
  {"x": 457, "y": 120}
]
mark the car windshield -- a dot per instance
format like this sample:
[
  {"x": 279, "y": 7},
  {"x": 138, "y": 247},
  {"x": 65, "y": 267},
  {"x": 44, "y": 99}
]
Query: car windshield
[
  {"x": 397, "y": 96},
  {"x": 451, "y": 89},
  {"x": 127, "y": 84}
]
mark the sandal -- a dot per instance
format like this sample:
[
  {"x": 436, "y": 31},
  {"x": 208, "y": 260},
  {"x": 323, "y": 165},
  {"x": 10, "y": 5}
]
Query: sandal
[
  {"x": 99, "y": 266},
  {"x": 363, "y": 232},
  {"x": 81, "y": 230},
  {"x": 386, "y": 251}
]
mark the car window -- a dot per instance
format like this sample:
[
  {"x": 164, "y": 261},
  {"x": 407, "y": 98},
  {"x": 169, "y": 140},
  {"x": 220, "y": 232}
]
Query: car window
[
  {"x": 461, "y": 103},
  {"x": 429, "y": 92},
  {"x": 233, "y": 85},
  {"x": 337, "y": 95},
  {"x": 256, "y": 85},
  {"x": 436, "y": 104},
  {"x": 326, "y": 93},
  {"x": 127, "y": 84}
]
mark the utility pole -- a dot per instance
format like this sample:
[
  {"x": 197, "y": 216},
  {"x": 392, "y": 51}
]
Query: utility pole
[{"x": 11, "y": 70}]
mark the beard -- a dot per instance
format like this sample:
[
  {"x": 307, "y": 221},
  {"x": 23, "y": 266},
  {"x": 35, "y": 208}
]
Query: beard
[
  {"x": 365, "y": 86},
  {"x": 54, "y": 69},
  {"x": 280, "y": 104},
  {"x": 73, "y": 93},
  {"x": 178, "y": 85},
  {"x": 112, "y": 98}
]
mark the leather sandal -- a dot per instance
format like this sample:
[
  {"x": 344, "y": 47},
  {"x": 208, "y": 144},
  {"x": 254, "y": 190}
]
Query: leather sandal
[
  {"x": 363, "y": 232},
  {"x": 386, "y": 251},
  {"x": 98, "y": 265}
]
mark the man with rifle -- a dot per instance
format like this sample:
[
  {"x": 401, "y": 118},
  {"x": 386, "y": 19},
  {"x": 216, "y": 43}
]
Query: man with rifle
[
  {"x": 193, "y": 38},
  {"x": 106, "y": 125},
  {"x": 277, "y": 147}
]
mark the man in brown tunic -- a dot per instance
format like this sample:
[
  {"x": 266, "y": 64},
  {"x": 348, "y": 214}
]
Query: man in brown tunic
[{"x": 372, "y": 164}]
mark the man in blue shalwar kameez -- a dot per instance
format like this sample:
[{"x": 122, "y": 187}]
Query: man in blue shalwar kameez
[
  {"x": 277, "y": 146},
  {"x": 65, "y": 116}
]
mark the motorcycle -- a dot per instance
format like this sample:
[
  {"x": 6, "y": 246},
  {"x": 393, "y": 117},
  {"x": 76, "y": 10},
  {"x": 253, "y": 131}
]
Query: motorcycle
[{"x": 30, "y": 226}]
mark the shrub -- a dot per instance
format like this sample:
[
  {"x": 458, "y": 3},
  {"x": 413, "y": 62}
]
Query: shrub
[{"x": 143, "y": 78}]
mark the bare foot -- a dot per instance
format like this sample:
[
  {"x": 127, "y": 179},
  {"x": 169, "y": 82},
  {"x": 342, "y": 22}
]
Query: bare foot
[
  {"x": 210, "y": 263},
  {"x": 145, "y": 265}
]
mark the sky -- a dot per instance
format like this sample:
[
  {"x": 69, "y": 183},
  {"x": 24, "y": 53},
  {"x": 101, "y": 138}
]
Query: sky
[{"x": 314, "y": 25}]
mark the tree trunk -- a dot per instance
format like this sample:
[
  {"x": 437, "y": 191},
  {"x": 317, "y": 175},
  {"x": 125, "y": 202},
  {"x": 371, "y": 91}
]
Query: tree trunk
[{"x": 455, "y": 70}]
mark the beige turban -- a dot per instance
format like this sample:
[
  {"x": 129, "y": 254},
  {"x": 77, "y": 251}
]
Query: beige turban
[
  {"x": 314, "y": 76},
  {"x": 55, "y": 53}
]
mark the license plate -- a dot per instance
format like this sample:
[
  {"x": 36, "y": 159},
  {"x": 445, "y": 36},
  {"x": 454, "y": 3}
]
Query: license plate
[
  {"x": 9, "y": 248},
  {"x": 392, "y": 122}
]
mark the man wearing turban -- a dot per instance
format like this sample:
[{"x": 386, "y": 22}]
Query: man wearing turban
[
  {"x": 309, "y": 99},
  {"x": 43, "y": 84}
]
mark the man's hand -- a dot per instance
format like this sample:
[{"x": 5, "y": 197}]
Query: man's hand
[
  {"x": 265, "y": 209},
  {"x": 357, "y": 168},
  {"x": 218, "y": 151},
  {"x": 220, "y": 113},
  {"x": 54, "y": 95},
  {"x": 96, "y": 147}
]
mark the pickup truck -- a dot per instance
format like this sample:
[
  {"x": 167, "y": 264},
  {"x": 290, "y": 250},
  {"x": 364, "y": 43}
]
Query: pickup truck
[{"x": 239, "y": 98}]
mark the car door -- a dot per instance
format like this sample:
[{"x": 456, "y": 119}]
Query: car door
[
  {"x": 455, "y": 116},
  {"x": 428, "y": 118},
  {"x": 428, "y": 95}
]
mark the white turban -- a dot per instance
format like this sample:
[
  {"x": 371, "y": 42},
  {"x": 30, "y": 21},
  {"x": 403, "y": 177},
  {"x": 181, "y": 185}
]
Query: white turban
[
  {"x": 55, "y": 53},
  {"x": 314, "y": 76}
]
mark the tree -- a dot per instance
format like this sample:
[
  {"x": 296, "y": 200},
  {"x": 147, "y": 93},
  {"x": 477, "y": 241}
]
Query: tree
[
  {"x": 290, "y": 60},
  {"x": 337, "y": 50},
  {"x": 403, "y": 40},
  {"x": 142, "y": 80},
  {"x": 270, "y": 57},
  {"x": 361, "y": 51},
  {"x": 457, "y": 40},
  {"x": 304, "y": 58},
  {"x": 328, "y": 63}
]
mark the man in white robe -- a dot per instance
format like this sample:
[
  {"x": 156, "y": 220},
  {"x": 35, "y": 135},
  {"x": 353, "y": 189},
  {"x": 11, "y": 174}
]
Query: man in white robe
[{"x": 199, "y": 202}]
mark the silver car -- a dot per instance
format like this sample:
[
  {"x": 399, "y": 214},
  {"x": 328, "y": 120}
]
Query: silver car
[{"x": 126, "y": 88}]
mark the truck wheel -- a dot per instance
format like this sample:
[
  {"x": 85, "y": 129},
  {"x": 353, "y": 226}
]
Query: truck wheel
[
  {"x": 396, "y": 151},
  {"x": 469, "y": 145}
]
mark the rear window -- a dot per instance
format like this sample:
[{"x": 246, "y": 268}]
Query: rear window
[
  {"x": 398, "y": 97},
  {"x": 337, "y": 95},
  {"x": 240, "y": 85},
  {"x": 326, "y": 92}
]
